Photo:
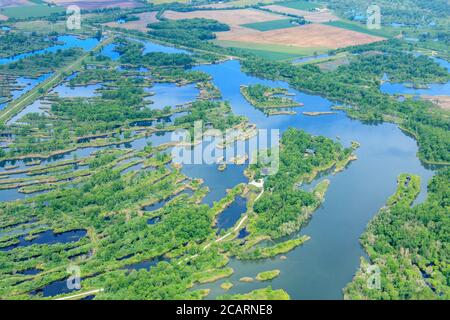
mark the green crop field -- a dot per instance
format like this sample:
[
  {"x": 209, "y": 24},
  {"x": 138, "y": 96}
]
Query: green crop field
[
  {"x": 270, "y": 25},
  {"x": 354, "y": 26},
  {"x": 271, "y": 55},
  {"x": 299, "y": 5},
  {"x": 272, "y": 51},
  {"x": 34, "y": 11}
]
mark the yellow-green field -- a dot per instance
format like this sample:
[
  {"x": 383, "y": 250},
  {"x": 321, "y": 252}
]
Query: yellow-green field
[
  {"x": 40, "y": 26},
  {"x": 239, "y": 3},
  {"x": 272, "y": 51},
  {"x": 166, "y": 1},
  {"x": 32, "y": 11}
]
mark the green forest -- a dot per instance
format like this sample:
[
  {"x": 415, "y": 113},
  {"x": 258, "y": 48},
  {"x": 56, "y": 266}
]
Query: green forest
[{"x": 409, "y": 244}]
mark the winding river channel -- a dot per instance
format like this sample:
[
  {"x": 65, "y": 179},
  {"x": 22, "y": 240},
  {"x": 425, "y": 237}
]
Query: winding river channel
[{"x": 322, "y": 267}]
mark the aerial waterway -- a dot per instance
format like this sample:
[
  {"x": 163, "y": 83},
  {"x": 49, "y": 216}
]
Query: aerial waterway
[{"x": 322, "y": 267}]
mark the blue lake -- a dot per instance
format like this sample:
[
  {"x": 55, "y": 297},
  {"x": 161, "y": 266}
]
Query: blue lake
[
  {"x": 326, "y": 263},
  {"x": 169, "y": 94},
  {"x": 66, "y": 91},
  {"x": 155, "y": 47}
]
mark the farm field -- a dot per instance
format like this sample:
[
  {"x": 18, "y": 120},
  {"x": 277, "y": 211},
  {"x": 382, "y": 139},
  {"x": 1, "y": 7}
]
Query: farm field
[
  {"x": 166, "y": 1},
  {"x": 441, "y": 101},
  {"x": 270, "y": 25},
  {"x": 231, "y": 17},
  {"x": 308, "y": 36},
  {"x": 40, "y": 26},
  {"x": 300, "y": 5},
  {"x": 96, "y": 4},
  {"x": 272, "y": 51},
  {"x": 140, "y": 25},
  {"x": 354, "y": 26},
  {"x": 311, "y": 16},
  {"x": 32, "y": 11},
  {"x": 237, "y": 4},
  {"x": 13, "y": 3},
  {"x": 245, "y": 28}
]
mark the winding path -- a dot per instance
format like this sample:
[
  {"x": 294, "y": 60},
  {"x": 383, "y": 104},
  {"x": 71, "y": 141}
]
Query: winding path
[{"x": 83, "y": 294}]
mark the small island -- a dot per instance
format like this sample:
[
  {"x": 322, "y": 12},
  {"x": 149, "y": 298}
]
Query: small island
[
  {"x": 269, "y": 100},
  {"x": 258, "y": 294},
  {"x": 317, "y": 113},
  {"x": 227, "y": 285},
  {"x": 246, "y": 279},
  {"x": 267, "y": 275}
]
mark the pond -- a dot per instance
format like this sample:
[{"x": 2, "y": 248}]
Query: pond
[
  {"x": 155, "y": 47},
  {"x": 170, "y": 94},
  {"x": 109, "y": 51},
  {"x": 48, "y": 237},
  {"x": 243, "y": 233},
  {"x": 146, "y": 264},
  {"x": 64, "y": 90},
  {"x": 231, "y": 214},
  {"x": 35, "y": 107},
  {"x": 54, "y": 288},
  {"x": 310, "y": 58},
  {"x": 66, "y": 42},
  {"x": 162, "y": 203}
]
